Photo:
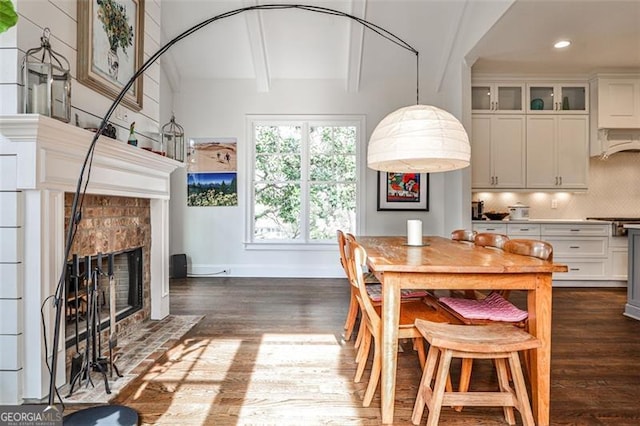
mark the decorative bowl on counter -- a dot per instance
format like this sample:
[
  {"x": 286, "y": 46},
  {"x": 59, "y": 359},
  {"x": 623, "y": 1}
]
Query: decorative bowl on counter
[{"x": 496, "y": 215}]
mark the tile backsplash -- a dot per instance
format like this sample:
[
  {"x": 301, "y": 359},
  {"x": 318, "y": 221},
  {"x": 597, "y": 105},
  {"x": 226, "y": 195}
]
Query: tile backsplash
[{"x": 614, "y": 190}]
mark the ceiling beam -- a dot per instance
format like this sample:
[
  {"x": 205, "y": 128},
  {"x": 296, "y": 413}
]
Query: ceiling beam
[
  {"x": 257, "y": 46},
  {"x": 356, "y": 41},
  {"x": 449, "y": 44}
]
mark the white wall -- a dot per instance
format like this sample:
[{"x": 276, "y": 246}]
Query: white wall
[{"x": 213, "y": 237}]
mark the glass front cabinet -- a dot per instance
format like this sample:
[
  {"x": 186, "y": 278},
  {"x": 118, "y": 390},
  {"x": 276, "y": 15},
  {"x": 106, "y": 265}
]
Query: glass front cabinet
[
  {"x": 552, "y": 98},
  {"x": 502, "y": 98}
]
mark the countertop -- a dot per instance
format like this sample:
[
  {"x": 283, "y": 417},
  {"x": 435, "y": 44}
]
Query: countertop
[{"x": 544, "y": 221}]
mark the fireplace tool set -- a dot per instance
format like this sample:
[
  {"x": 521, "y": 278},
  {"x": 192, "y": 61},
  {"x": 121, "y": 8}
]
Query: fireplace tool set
[{"x": 82, "y": 364}]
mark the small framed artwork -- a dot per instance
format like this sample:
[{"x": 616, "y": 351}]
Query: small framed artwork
[
  {"x": 403, "y": 191},
  {"x": 110, "y": 47},
  {"x": 212, "y": 177}
]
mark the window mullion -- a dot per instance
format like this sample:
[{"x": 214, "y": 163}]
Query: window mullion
[{"x": 304, "y": 182}]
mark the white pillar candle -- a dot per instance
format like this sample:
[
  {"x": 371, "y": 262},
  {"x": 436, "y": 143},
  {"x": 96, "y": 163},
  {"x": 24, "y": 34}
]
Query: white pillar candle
[
  {"x": 39, "y": 99},
  {"x": 414, "y": 232}
]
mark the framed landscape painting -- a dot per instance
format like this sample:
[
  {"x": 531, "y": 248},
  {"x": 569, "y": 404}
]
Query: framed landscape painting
[
  {"x": 403, "y": 191},
  {"x": 110, "y": 47},
  {"x": 212, "y": 177}
]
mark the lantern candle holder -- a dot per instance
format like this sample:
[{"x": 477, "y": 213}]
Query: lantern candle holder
[
  {"x": 47, "y": 81},
  {"x": 173, "y": 139}
]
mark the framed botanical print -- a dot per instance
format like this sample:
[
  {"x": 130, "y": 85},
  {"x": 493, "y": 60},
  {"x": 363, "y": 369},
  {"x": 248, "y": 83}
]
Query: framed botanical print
[
  {"x": 403, "y": 191},
  {"x": 110, "y": 47}
]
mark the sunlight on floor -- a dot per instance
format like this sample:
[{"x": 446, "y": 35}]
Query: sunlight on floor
[
  {"x": 254, "y": 379},
  {"x": 317, "y": 357},
  {"x": 199, "y": 366}
]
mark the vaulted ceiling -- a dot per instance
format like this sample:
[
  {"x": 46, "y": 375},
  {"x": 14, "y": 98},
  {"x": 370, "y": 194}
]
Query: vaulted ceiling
[{"x": 505, "y": 36}]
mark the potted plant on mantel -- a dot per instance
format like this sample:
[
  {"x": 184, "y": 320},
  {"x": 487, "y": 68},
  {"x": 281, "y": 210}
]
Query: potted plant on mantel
[{"x": 8, "y": 15}]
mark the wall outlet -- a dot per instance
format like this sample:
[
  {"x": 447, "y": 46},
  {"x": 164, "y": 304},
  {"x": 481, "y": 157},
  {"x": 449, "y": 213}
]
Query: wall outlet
[
  {"x": 120, "y": 113},
  {"x": 554, "y": 203}
]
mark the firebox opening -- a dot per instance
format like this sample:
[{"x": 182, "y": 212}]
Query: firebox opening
[{"x": 128, "y": 275}]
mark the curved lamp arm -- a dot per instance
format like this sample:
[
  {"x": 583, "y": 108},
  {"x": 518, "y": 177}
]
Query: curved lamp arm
[{"x": 85, "y": 171}]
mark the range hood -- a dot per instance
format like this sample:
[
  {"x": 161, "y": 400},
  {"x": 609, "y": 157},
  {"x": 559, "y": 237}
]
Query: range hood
[
  {"x": 611, "y": 141},
  {"x": 615, "y": 113}
]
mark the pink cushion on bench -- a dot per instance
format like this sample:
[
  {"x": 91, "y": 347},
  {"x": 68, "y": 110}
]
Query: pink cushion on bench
[
  {"x": 493, "y": 307},
  {"x": 375, "y": 292}
]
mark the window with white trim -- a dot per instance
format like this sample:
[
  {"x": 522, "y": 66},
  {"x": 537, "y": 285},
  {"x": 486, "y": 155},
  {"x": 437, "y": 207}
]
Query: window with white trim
[{"x": 304, "y": 178}]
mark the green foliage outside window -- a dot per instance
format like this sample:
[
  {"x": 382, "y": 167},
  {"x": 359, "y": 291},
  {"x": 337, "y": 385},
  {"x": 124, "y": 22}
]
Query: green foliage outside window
[{"x": 304, "y": 170}]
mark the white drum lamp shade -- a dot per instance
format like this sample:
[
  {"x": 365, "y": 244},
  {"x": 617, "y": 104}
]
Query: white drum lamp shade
[{"x": 419, "y": 139}]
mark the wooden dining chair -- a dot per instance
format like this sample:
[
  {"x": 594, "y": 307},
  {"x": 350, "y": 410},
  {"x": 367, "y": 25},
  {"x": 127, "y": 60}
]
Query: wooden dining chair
[
  {"x": 490, "y": 239},
  {"x": 495, "y": 307},
  {"x": 499, "y": 342},
  {"x": 409, "y": 312},
  {"x": 374, "y": 289},
  {"x": 464, "y": 235}
]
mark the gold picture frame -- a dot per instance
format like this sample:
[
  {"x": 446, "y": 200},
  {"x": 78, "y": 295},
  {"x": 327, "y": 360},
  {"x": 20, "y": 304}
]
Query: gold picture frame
[{"x": 111, "y": 47}]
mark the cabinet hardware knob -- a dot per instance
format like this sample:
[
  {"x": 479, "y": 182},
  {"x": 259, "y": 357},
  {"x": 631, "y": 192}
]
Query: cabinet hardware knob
[
  {"x": 574, "y": 247},
  {"x": 574, "y": 269},
  {"x": 575, "y": 230}
]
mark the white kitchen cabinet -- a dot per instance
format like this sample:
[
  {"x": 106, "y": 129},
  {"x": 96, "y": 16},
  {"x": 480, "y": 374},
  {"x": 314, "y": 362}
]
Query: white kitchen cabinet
[
  {"x": 557, "y": 98},
  {"x": 496, "y": 97},
  {"x": 584, "y": 248},
  {"x": 557, "y": 151},
  {"x": 523, "y": 230},
  {"x": 490, "y": 226},
  {"x": 593, "y": 257},
  {"x": 618, "y": 103},
  {"x": 498, "y": 151}
]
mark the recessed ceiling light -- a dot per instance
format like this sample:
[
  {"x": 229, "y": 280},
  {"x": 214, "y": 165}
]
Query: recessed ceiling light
[{"x": 561, "y": 44}]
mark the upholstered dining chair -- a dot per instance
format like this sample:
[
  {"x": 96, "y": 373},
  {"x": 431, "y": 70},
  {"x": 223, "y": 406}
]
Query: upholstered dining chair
[{"x": 409, "y": 312}]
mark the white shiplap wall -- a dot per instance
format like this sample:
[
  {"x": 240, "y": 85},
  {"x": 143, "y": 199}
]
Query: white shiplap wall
[{"x": 60, "y": 16}]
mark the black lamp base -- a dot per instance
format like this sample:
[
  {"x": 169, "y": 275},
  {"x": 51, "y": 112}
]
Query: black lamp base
[{"x": 104, "y": 415}]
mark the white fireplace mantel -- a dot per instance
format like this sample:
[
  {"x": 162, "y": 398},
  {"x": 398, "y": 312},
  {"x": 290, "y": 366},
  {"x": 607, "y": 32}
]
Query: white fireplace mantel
[{"x": 40, "y": 160}]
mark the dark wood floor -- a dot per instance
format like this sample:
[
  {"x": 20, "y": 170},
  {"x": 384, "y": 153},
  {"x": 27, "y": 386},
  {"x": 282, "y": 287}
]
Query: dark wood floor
[{"x": 269, "y": 351}]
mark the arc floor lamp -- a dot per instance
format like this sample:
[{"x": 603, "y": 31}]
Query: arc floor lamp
[{"x": 413, "y": 139}]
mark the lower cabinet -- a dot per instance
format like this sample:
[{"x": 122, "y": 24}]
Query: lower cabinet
[
  {"x": 589, "y": 251},
  {"x": 584, "y": 248}
]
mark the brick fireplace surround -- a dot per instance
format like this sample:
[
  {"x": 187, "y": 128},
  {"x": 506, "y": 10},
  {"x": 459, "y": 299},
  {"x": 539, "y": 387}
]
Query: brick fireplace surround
[
  {"x": 40, "y": 160},
  {"x": 113, "y": 224}
]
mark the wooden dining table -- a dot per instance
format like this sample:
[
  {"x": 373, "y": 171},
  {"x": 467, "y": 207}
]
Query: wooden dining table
[{"x": 441, "y": 263}]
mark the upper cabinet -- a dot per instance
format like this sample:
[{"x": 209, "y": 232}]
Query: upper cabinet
[
  {"x": 493, "y": 97},
  {"x": 498, "y": 151},
  {"x": 618, "y": 103},
  {"x": 557, "y": 98},
  {"x": 529, "y": 134},
  {"x": 557, "y": 151}
]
